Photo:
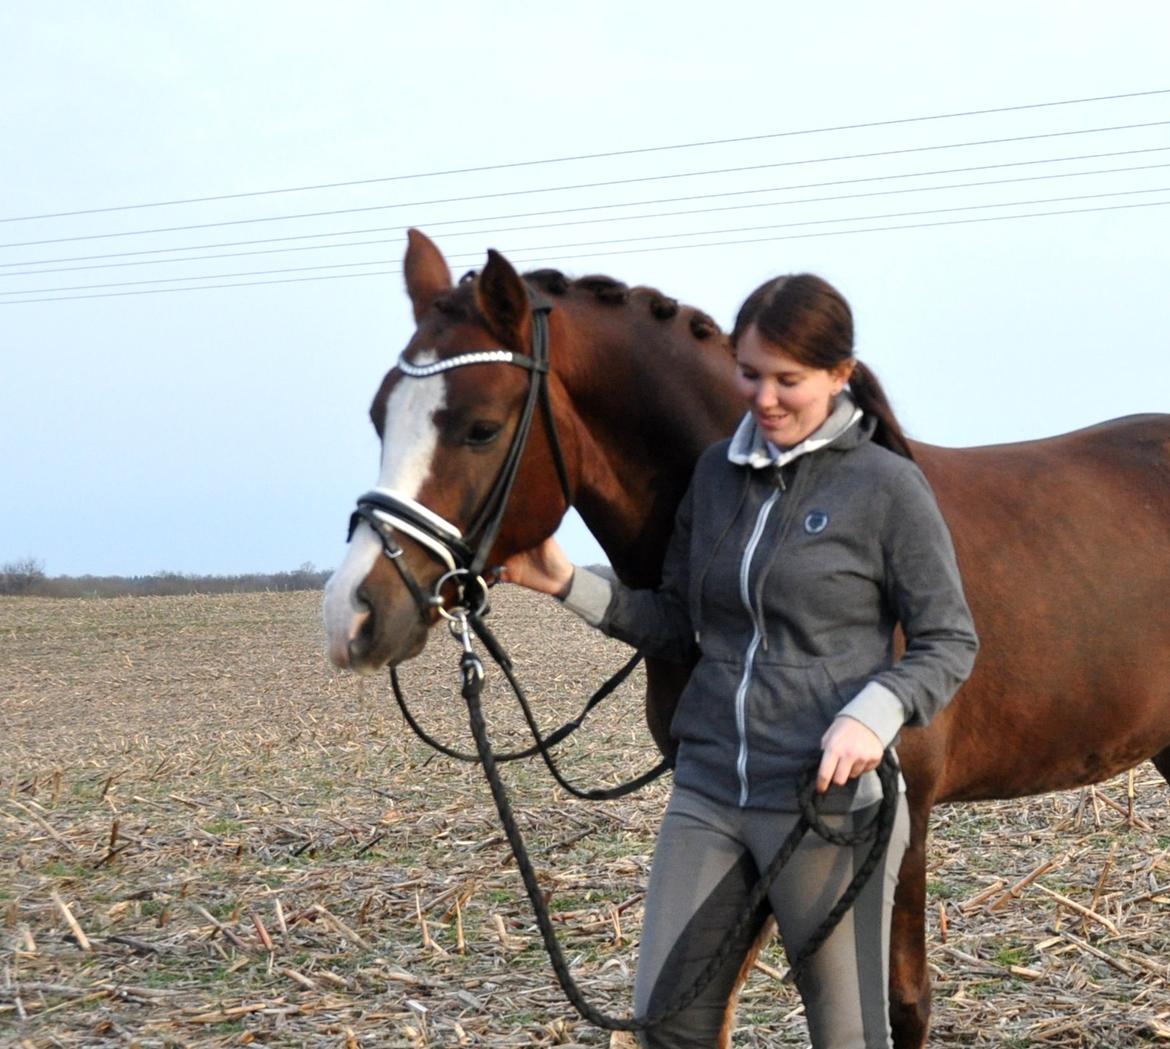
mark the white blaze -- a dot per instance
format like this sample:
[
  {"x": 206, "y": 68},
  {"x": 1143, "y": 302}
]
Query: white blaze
[{"x": 409, "y": 440}]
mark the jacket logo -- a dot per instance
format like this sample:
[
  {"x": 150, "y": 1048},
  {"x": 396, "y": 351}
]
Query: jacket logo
[{"x": 815, "y": 522}]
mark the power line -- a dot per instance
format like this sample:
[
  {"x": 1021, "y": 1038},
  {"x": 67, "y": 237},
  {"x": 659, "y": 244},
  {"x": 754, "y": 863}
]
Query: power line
[
  {"x": 585, "y": 222},
  {"x": 585, "y": 156},
  {"x": 591, "y": 185},
  {"x": 600, "y": 207},
  {"x": 626, "y": 251},
  {"x": 602, "y": 243}
]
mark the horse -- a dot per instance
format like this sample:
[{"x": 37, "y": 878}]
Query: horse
[{"x": 1063, "y": 542}]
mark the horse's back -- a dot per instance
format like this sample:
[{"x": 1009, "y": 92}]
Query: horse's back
[
  {"x": 1109, "y": 482},
  {"x": 1064, "y": 545}
]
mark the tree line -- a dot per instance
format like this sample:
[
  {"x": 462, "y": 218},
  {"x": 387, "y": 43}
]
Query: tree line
[{"x": 26, "y": 577}]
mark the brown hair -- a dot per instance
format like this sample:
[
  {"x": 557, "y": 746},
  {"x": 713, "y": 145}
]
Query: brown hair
[{"x": 810, "y": 320}]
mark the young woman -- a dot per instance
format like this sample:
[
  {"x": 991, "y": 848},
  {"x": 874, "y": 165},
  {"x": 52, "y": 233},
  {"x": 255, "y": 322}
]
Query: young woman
[{"x": 803, "y": 542}]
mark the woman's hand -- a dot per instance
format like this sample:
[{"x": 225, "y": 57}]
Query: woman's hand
[
  {"x": 849, "y": 750},
  {"x": 543, "y": 568}
]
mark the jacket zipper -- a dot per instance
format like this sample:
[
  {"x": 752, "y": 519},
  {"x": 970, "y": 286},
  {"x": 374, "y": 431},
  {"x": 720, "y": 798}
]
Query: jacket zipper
[{"x": 749, "y": 657}]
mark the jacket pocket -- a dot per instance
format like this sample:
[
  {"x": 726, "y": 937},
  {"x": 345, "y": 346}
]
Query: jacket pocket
[{"x": 789, "y": 707}]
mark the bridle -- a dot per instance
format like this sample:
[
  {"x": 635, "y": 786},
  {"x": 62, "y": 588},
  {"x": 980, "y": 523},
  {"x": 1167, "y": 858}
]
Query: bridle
[
  {"x": 464, "y": 556},
  {"x": 391, "y": 514}
]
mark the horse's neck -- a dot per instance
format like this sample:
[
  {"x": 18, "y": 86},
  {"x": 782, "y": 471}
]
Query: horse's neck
[{"x": 648, "y": 397}]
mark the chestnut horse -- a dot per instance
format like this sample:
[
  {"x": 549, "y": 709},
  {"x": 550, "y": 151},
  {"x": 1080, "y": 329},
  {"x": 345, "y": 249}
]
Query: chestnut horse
[{"x": 1064, "y": 543}]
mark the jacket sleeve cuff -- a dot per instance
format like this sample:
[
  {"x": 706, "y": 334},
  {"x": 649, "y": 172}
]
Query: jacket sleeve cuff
[
  {"x": 589, "y": 596},
  {"x": 879, "y": 710}
]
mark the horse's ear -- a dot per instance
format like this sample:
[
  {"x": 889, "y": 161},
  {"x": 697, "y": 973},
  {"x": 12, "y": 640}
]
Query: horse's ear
[
  {"x": 427, "y": 273},
  {"x": 502, "y": 298}
]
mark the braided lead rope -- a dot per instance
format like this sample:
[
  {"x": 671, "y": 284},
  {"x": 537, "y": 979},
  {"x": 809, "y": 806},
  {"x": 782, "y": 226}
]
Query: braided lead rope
[{"x": 879, "y": 830}]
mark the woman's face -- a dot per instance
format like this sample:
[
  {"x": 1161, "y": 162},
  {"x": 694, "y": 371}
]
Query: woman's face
[{"x": 789, "y": 400}]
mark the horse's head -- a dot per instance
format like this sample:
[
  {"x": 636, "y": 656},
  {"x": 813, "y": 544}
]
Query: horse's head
[{"x": 453, "y": 416}]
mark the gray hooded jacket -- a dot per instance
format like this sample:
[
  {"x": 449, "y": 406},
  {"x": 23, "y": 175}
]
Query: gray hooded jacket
[{"x": 785, "y": 578}]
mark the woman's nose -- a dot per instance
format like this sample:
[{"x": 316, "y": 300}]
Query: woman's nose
[{"x": 764, "y": 395}]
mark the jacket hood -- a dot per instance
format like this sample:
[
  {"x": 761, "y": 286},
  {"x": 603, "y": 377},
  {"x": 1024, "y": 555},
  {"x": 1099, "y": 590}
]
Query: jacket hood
[{"x": 750, "y": 448}]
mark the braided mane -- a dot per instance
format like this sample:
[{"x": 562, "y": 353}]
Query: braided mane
[{"x": 459, "y": 303}]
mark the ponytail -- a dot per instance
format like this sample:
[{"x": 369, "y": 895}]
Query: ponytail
[{"x": 871, "y": 399}]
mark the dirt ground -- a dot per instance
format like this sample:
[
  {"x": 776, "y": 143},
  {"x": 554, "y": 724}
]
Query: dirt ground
[{"x": 210, "y": 838}]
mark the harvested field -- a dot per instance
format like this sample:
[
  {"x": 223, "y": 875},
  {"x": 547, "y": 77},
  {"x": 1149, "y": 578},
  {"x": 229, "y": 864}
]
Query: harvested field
[{"x": 210, "y": 838}]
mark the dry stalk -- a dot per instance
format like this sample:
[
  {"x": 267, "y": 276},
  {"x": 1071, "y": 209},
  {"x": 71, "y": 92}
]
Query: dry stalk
[
  {"x": 982, "y": 897},
  {"x": 616, "y": 917},
  {"x": 300, "y": 978},
  {"x": 44, "y": 825},
  {"x": 340, "y": 926},
  {"x": 1096, "y": 952},
  {"x": 223, "y": 929},
  {"x": 262, "y": 932},
  {"x": 1025, "y": 881},
  {"x": 74, "y": 927},
  {"x": 278, "y": 910},
  {"x": 1131, "y": 818},
  {"x": 422, "y": 923},
  {"x": 1080, "y": 908}
]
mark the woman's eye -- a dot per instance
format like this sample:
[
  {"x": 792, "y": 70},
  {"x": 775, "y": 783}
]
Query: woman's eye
[{"x": 482, "y": 433}]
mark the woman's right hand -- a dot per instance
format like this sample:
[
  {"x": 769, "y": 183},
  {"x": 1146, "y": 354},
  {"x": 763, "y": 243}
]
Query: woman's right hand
[{"x": 544, "y": 568}]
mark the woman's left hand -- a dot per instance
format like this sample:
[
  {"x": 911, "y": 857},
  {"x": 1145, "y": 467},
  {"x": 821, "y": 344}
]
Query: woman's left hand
[{"x": 849, "y": 750}]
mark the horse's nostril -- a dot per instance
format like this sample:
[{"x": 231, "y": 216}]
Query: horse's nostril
[{"x": 361, "y": 630}]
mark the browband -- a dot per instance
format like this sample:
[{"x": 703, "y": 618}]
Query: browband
[{"x": 424, "y": 371}]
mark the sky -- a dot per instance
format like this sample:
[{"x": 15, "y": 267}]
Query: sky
[{"x": 152, "y": 423}]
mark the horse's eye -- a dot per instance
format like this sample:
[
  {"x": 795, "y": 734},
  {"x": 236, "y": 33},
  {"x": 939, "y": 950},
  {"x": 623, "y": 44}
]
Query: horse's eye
[{"x": 482, "y": 433}]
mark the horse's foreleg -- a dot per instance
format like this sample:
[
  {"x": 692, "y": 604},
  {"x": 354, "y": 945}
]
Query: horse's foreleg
[
  {"x": 909, "y": 979},
  {"x": 766, "y": 933}
]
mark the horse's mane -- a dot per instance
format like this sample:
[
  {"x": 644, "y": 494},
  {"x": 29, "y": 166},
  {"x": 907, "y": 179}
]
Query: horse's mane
[{"x": 459, "y": 302}]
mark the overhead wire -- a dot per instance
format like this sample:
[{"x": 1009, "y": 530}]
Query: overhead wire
[
  {"x": 431, "y": 224},
  {"x": 600, "y": 214},
  {"x": 585, "y": 222},
  {"x": 594, "y": 185},
  {"x": 597, "y": 254},
  {"x": 511, "y": 165}
]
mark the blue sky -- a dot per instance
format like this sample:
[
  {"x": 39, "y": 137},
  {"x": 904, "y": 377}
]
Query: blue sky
[{"x": 225, "y": 430}]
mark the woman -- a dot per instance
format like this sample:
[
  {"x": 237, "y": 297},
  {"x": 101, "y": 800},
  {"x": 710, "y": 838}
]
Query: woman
[{"x": 802, "y": 543}]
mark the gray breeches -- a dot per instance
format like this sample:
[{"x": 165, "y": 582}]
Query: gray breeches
[{"x": 707, "y": 859}]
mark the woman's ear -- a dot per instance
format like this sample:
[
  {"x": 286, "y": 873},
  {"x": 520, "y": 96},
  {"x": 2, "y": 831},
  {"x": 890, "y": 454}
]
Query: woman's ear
[{"x": 842, "y": 373}]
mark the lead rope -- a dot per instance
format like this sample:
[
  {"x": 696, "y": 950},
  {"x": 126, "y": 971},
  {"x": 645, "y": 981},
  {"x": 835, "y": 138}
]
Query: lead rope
[{"x": 878, "y": 830}]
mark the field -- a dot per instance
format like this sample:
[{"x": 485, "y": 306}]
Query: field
[{"x": 210, "y": 838}]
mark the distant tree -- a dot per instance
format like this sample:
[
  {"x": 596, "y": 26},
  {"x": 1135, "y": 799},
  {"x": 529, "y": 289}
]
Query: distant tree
[
  {"x": 27, "y": 576},
  {"x": 22, "y": 576}
]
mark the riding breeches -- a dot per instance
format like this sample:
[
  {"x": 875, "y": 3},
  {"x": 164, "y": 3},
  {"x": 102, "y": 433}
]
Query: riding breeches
[{"x": 708, "y": 858}]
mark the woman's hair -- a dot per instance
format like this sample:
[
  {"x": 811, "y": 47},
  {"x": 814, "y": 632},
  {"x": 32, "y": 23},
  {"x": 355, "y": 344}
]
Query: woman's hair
[{"x": 810, "y": 320}]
